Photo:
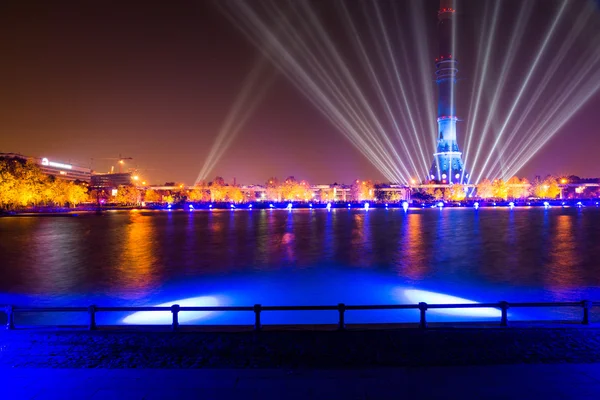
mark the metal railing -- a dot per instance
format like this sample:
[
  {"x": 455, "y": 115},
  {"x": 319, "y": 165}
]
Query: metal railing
[{"x": 341, "y": 308}]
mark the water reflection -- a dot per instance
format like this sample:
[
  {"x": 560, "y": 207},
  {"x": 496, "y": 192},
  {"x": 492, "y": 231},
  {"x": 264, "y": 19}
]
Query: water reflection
[
  {"x": 562, "y": 271},
  {"x": 414, "y": 256},
  {"x": 136, "y": 271},
  {"x": 361, "y": 242},
  {"x": 55, "y": 250}
]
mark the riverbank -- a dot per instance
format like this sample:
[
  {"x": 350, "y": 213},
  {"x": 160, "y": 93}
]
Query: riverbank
[
  {"x": 196, "y": 206},
  {"x": 299, "y": 349}
]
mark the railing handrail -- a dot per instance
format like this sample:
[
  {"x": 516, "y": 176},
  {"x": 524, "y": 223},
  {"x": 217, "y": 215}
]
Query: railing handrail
[{"x": 175, "y": 309}]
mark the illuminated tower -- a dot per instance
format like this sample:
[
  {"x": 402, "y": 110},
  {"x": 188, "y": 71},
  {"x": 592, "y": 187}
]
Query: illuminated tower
[{"x": 447, "y": 161}]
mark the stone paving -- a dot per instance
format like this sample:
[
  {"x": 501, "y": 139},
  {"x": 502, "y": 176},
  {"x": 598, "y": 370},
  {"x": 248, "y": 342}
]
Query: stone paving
[
  {"x": 519, "y": 381},
  {"x": 298, "y": 349},
  {"x": 513, "y": 363}
]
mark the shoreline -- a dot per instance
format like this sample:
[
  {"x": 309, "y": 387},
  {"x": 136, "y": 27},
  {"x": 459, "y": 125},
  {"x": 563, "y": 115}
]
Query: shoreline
[{"x": 195, "y": 207}]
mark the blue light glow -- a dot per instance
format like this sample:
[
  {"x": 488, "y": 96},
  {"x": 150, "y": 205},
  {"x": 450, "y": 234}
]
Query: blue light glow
[
  {"x": 404, "y": 206},
  {"x": 191, "y": 207},
  {"x": 476, "y": 205},
  {"x": 328, "y": 207},
  {"x": 166, "y": 318},
  {"x": 366, "y": 206},
  {"x": 232, "y": 206},
  {"x": 289, "y": 206},
  {"x": 546, "y": 204},
  {"x": 250, "y": 206},
  {"x": 271, "y": 206},
  {"x": 415, "y": 296},
  {"x": 440, "y": 204},
  {"x": 511, "y": 205}
]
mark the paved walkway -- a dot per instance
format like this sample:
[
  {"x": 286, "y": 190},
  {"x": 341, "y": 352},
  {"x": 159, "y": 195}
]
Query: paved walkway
[{"x": 522, "y": 381}]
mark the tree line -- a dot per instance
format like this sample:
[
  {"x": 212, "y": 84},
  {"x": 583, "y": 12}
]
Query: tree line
[
  {"x": 513, "y": 189},
  {"x": 23, "y": 184}
]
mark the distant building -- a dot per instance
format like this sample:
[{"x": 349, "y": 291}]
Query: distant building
[
  {"x": 111, "y": 180},
  {"x": 58, "y": 169},
  {"x": 64, "y": 171}
]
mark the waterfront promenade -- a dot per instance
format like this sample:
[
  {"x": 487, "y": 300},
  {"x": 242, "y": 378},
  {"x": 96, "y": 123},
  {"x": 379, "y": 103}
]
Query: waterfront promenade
[{"x": 551, "y": 362}]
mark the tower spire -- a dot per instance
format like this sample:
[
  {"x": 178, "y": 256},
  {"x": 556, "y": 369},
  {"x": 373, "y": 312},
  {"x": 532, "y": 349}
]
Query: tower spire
[{"x": 447, "y": 164}]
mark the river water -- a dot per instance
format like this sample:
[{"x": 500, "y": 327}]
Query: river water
[{"x": 303, "y": 257}]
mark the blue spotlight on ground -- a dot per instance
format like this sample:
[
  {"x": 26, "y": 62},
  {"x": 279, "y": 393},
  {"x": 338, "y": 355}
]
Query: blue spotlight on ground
[
  {"x": 165, "y": 317},
  {"x": 417, "y": 296}
]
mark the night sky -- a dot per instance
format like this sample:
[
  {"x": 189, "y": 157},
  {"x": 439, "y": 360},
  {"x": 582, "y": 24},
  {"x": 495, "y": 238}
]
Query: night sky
[{"x": 83, "y": 80}]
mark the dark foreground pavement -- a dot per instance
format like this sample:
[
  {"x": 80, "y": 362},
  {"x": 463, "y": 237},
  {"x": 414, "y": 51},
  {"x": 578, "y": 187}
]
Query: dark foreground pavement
[
  {"x": 491, "y": 363},
  {"x": 519, "y": 381},
  {"x": 298, "y": 349}
]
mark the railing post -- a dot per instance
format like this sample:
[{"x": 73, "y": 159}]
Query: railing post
[
  {"x": 423, "y": 320},
  {"x": 341, "y": 321},
  {"x": 10, "y": 317},
  {"x": 257, "y": 309},
  {"x": 586, "y": 304},
  {"x": 504, "y": 309},
  {"x": 92, "y": 320},
  {"x": 175, "y": 312}
]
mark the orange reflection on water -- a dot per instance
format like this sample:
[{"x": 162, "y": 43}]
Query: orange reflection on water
[
  {"x": 362, "y": 245},
  {"x": 137, "y": 271},
  {"x": 564, "y": 257},
  {"x": 414, "y": 249}
]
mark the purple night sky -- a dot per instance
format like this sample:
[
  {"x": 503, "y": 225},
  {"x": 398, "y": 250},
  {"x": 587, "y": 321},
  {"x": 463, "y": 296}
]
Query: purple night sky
[{"x": 154, "y": 81}]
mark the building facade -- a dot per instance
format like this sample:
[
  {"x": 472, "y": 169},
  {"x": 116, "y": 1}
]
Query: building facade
[
  {"x": 64, "y": 171},
  {"x": 111, "y": 180}
]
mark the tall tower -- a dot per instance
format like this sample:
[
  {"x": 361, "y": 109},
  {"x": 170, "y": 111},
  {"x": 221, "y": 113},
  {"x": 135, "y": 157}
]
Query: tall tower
[{"x": 447, "y": 164}]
